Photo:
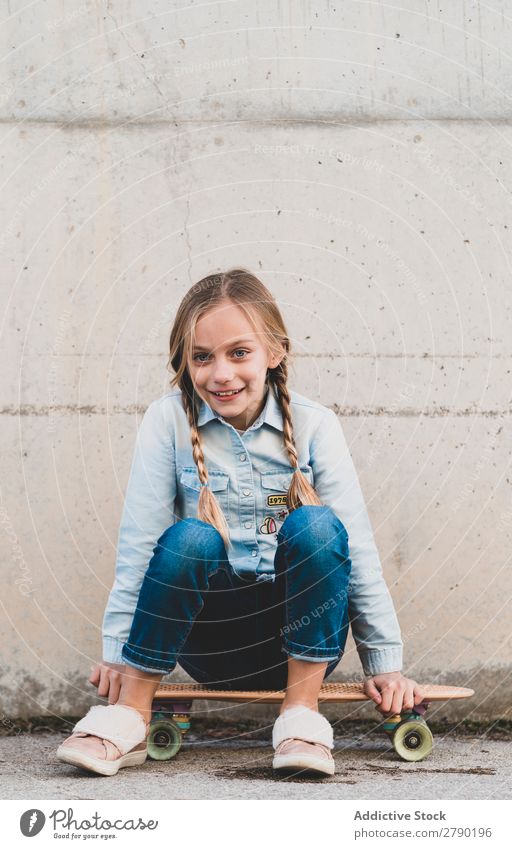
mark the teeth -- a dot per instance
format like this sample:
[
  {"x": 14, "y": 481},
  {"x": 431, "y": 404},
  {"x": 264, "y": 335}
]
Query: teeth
[{"x": 233, "y": 392}]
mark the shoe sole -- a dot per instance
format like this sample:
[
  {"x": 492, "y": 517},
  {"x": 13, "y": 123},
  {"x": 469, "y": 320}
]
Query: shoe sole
[
  {"x": 308, "y": 762},
  {"x": 77, "y": 758}
]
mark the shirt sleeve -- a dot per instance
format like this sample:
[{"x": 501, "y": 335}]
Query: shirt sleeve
[
  {"x": 148, "y": 511},
  {"x": 372, "y": 615}
]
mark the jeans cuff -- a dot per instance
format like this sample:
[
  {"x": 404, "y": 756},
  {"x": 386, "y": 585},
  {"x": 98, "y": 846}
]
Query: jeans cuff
[
  {"x": 307, "y": 653},
  {"x": 141, "y": 662},
  {"x": 313, "y": 659}
]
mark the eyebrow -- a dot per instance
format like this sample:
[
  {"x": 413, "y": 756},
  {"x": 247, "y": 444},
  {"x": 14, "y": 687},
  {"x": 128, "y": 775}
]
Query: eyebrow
[{"x": 231, "y": 344}]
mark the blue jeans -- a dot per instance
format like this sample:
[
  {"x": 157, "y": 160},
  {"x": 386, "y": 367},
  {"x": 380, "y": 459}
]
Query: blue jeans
[{"x": 223, "y": 630}]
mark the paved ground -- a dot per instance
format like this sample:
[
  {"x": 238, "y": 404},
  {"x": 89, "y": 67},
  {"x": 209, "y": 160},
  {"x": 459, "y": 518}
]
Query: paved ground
[{"x": 460, "y": 767}]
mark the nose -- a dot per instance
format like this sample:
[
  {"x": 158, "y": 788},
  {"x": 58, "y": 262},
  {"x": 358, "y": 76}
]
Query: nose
[{"x": 223, "y": 371}]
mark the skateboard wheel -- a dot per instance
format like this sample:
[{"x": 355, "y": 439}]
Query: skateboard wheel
[
  {"x": 164, "y": 740},
  {"x": 413, "y": 740}
]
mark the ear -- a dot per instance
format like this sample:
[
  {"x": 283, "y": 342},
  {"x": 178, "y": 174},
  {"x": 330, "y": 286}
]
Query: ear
[{"x": 274, "y": 360}]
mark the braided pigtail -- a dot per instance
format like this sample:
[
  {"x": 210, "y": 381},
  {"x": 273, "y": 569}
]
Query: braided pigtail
[
  {"x": 208, "y": 509},
  {"x": 300, "y": 492}
]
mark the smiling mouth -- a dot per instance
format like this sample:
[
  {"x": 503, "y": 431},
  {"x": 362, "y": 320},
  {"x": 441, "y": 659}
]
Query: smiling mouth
[{"x": 229, "y": 393}]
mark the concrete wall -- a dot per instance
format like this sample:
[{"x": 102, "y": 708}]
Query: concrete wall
[{"x": 357, "y": 156}]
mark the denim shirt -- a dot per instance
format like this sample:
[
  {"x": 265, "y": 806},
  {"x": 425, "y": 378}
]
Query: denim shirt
[{"x": 249, "y": 474}]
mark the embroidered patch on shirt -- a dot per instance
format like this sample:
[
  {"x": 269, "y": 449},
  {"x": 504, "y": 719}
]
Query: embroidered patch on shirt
[
  {"x": 268, "y": 526},
  {"x": 276, "y": 500}
]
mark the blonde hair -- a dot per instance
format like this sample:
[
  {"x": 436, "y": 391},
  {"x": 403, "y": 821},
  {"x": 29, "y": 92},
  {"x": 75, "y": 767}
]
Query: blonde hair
[{"x": 245, "y": 290}]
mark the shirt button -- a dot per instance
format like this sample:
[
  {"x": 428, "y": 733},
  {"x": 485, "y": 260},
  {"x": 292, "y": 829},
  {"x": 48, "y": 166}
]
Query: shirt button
[
  {"x": 254, "y": 553},
  {"x": 247, "y": 492},
  {"x": 248, "y": 524},
  {"x": 242, "y": 457}
]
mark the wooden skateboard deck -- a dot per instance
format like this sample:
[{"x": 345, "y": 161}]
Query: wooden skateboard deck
[
  {"x": 408, "y": 731},
  {"x": 328, "y": 693}
]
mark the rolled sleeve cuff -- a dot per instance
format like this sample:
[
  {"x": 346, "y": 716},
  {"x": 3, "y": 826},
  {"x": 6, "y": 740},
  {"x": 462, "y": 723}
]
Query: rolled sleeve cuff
[
  {"x": 376, "y": 661},
  {"x": 112, "y": 648}
]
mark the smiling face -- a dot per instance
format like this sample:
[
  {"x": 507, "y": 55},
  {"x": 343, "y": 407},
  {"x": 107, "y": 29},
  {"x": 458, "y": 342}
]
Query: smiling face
[{"x": 228, "y": 354}]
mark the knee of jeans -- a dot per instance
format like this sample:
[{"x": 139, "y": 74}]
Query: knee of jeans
[
  {"x": 185, "y": 544},
  {"x": 192, "y": 532},
  {"x": 316, "y": 525}
]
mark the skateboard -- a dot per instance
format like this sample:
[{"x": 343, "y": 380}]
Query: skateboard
[{"x": 172, "y": 706}]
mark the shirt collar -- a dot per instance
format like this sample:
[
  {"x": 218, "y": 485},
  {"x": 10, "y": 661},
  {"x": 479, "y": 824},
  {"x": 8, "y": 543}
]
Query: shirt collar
[{"x": 271, "y": 414}]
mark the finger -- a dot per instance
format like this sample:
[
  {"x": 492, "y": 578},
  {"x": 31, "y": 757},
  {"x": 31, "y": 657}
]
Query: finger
[
  {"x": 94, "y": 677},
  {"x": 408, "y": 699},
  {"x": 387, "y": 699},
  {"x": 104, "y": 684},
  {"x": 396, "y": 689},
  {"x": 115, "y": 688},
  {"x": 372, "y": 692},
  {"x": 398, "y": 698},
  {"x": 419, "y": 694}
]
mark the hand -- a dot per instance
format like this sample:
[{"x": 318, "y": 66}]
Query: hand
[
  {"x": 393, "y": 693},
  {"x": 107, "y": 677}
]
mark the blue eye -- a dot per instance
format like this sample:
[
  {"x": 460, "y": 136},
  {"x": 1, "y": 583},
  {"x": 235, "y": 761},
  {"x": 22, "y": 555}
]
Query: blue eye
[{"x": 238, "y": 351}]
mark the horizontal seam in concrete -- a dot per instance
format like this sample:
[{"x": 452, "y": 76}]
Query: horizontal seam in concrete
[
  {"x": 277, "y": 123},
  {"x": 405, "y": 412}
]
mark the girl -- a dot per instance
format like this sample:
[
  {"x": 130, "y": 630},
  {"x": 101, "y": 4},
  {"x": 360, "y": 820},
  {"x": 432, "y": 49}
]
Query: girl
[{"x": 247, "y": 496}]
